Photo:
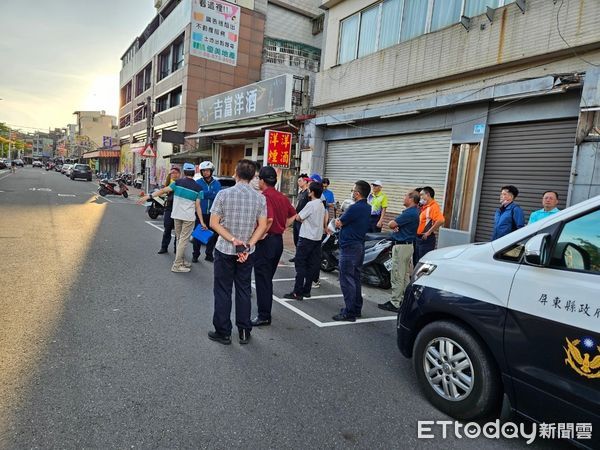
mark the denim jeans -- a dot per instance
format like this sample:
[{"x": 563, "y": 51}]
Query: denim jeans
[{"x": 351, "y": 260}]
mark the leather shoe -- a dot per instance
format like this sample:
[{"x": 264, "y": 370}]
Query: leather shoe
[
  {"x": 220, "y": 338},
  {"x": 194, "y": 259},
  {"x": 256, "y": 322},
  {"x": 387, "y": 306},
  {"x": 244, "y": 336},
  {"x": 341, "y": 317},
  {"x": 163, "y": 250},
  {"x": 209, "y": 258},
  {"x": 293, "y": 296}
]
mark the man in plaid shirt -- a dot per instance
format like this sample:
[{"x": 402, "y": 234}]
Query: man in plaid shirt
[{"x": 239, "y": 216}]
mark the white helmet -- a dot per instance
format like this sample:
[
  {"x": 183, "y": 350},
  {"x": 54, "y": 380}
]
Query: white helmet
[{"x": 207, "y": 165}]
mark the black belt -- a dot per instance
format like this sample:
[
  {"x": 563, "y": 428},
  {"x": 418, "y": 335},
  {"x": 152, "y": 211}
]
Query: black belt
[{"x": 403, "y": 242}]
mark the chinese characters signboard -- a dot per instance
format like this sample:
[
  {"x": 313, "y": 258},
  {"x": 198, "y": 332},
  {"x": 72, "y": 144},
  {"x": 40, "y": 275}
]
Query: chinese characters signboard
[
  {"x": 272, "y": 96},
  {"x": 215, "y": 30},
  {"x": 278, "y": 146}
]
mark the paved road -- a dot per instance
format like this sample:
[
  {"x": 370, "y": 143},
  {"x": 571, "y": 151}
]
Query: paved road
[{"x": 101, "y": 346}]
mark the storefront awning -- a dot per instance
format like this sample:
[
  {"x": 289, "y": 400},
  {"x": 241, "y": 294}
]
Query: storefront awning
[
  {"x": 227, "y": 131},
  {"x": 102, "y": 154}
]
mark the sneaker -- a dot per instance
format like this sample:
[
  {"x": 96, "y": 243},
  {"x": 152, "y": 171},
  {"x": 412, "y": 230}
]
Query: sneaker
[
  {"x": 388, "y": 306},
  {"x": 209, "y": 258},
  {"x": 180, "y": 269},
  {"x": 306, "y": 295},
  {"x": 316, "y": 284}
]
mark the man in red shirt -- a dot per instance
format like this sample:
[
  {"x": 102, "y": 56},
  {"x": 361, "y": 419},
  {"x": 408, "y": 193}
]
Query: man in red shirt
[{"x": 280, "y": 215}]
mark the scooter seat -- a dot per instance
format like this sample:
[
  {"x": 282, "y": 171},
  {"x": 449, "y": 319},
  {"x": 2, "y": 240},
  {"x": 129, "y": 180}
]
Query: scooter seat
[
  {"x": 111, "y": 183},
  {"x": 377, "y": 236}
]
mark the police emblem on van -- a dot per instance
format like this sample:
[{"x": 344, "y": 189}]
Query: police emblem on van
[{"x": 583, "y": 364}]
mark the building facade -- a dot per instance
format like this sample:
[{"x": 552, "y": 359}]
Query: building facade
[
  {"x": 163, "y": 76},
  {"x": 462, "y": 95}
]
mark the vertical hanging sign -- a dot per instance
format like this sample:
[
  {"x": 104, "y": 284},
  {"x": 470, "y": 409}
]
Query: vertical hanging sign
[
  {"x": 215, "y": 30},
  {"x": 278, "y": 146}
]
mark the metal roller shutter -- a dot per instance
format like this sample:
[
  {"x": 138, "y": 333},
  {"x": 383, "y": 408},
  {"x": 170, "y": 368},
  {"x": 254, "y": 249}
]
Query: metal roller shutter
[
  {"x": 401, "y": 163},
  {"x": 534, "y": 157}
]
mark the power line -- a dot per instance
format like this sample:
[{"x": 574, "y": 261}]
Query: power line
[{"x": 565, "y": 41}]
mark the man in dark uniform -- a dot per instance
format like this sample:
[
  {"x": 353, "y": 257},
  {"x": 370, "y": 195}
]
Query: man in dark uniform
[
  {"x": 280, "y": 214},
  {"x": 168, "y": 223},
  {"x": 354, "y": 224}
]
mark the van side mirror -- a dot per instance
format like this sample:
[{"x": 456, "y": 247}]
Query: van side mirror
[{"x": 536, "y": 250}]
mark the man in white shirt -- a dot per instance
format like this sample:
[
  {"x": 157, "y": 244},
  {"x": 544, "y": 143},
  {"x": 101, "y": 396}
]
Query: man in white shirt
[{"x": 308, "y": 252}]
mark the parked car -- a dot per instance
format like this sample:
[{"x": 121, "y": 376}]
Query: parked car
[
  {"x": 3, "y": 165},
  {"x": 37, "y": 163},
  {"x": 226, "y": 182},
  {"x": 19, "y": 162},
  {"x": 516, "y": 319},
  {"x": 81, "y": 171},
  {"x": 65, "y": 169},
  {"x": 58, "y": 167}
]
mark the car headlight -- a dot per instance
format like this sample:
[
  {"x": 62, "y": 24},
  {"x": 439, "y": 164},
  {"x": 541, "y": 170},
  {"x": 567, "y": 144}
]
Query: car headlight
[{"x": 423, "y": 268}]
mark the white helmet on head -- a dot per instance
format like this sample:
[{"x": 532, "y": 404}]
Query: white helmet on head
[{"x": 207, "y": 165}]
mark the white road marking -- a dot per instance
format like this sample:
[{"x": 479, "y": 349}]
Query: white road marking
[
  {"x": 67, "y": 195},
  {"x": 155, "y": 226},
  {"x": 311, "y": 319},
  {"x": 103, "y": 198},
  {"x": 5, "y": 176},
  {"x": 293, "y": 279}
]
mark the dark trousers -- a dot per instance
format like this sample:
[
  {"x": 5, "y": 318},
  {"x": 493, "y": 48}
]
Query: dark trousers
[
  {"x": 169, "y": 226},
  {"x": 351, "y": 260},
  {"x": 422, "y": 247},
  {"x": 267, "y": 255},
  {"x": 308, "y": 263},
  {"x": 210, "y": 245},
  {"x": 227, "y": 272},
  {"x": 373, "y": 228},
  {"x": 296, "y": 232}
]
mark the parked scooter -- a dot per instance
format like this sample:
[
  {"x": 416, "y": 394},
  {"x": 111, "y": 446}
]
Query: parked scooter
[
  {"x": 155, "y": 207},
  {"x": 108, "y": 187},
  {"x": 138, "y": 182},
  {"x": 377, "y": 263}
]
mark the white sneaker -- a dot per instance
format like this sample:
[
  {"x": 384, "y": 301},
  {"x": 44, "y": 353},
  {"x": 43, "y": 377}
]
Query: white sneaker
[
  {"x": 180, "y": 269},
  {"x": 316, "y": 284}
]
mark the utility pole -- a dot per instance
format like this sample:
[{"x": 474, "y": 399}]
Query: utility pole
[{"x": 149, "y": 140}]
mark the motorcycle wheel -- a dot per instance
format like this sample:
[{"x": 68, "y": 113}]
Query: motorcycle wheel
[
  {"x": 152, "y": 213},
  {"x": 125, "y": 194},
  {"x": 326, "y": 265},
  {"x": 103, "y": 192}
]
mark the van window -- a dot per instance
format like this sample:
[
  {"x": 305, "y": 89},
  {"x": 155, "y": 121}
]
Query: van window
[{"x": 578, "y": 245}]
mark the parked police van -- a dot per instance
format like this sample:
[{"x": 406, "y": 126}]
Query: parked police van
[{"x": 517, "y": 318}]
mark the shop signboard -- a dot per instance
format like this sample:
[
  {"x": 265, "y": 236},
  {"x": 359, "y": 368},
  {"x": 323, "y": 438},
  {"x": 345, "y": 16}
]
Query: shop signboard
[
  {"x": 268, "y": 97},
  {"x": 278, "y": 146},
  {"x": 215, "y": 30}
]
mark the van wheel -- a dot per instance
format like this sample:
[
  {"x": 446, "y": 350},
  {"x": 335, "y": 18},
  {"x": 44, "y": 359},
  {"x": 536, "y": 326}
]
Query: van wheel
[{"x": 456, "y": 372}]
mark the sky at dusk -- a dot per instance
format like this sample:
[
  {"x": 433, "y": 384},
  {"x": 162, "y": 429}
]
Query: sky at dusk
[{"x": 60, "y": 56}]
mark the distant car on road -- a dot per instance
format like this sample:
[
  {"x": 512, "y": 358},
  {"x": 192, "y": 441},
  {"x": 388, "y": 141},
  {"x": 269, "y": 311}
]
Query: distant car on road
[
  {"x": 65, "y": 169},
  {"x": 3, "y": 165},
  {"x": 81, "y": 171},
  {"x": 19, "y": 162},
  {"x": 37, "y": 164}
]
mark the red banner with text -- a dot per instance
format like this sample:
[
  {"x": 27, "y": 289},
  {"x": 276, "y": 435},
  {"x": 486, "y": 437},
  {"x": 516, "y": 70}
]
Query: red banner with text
[{"x": 278, "y": 146}]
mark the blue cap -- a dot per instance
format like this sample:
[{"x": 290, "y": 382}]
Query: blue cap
[
  {"x": 189, "y": 166},
  {"x": 316, "y": 177}
]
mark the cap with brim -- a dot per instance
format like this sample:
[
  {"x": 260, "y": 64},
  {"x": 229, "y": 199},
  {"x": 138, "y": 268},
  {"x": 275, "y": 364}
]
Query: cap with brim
[{"x": 377, "y": 183}]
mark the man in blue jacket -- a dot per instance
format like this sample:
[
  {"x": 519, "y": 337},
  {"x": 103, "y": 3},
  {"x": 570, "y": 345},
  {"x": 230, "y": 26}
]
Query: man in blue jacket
[
  {"x": 509, "y": 216},
  {"x": 354, "y": 224},
  {"x": 210, "y": 187}
]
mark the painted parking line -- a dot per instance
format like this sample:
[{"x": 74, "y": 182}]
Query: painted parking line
[
  {"x": 286, "y": 303},
  {"x": 98, "y": 196},
  {"x": 293, "y": 279}
]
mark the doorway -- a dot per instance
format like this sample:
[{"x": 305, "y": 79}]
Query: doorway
[
  {"x": 462, "y": 177},
  {"x": 230, "y": 155}
]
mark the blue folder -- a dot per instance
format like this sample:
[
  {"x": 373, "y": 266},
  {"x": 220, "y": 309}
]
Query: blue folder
[{"x": 202, "y": 235}]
